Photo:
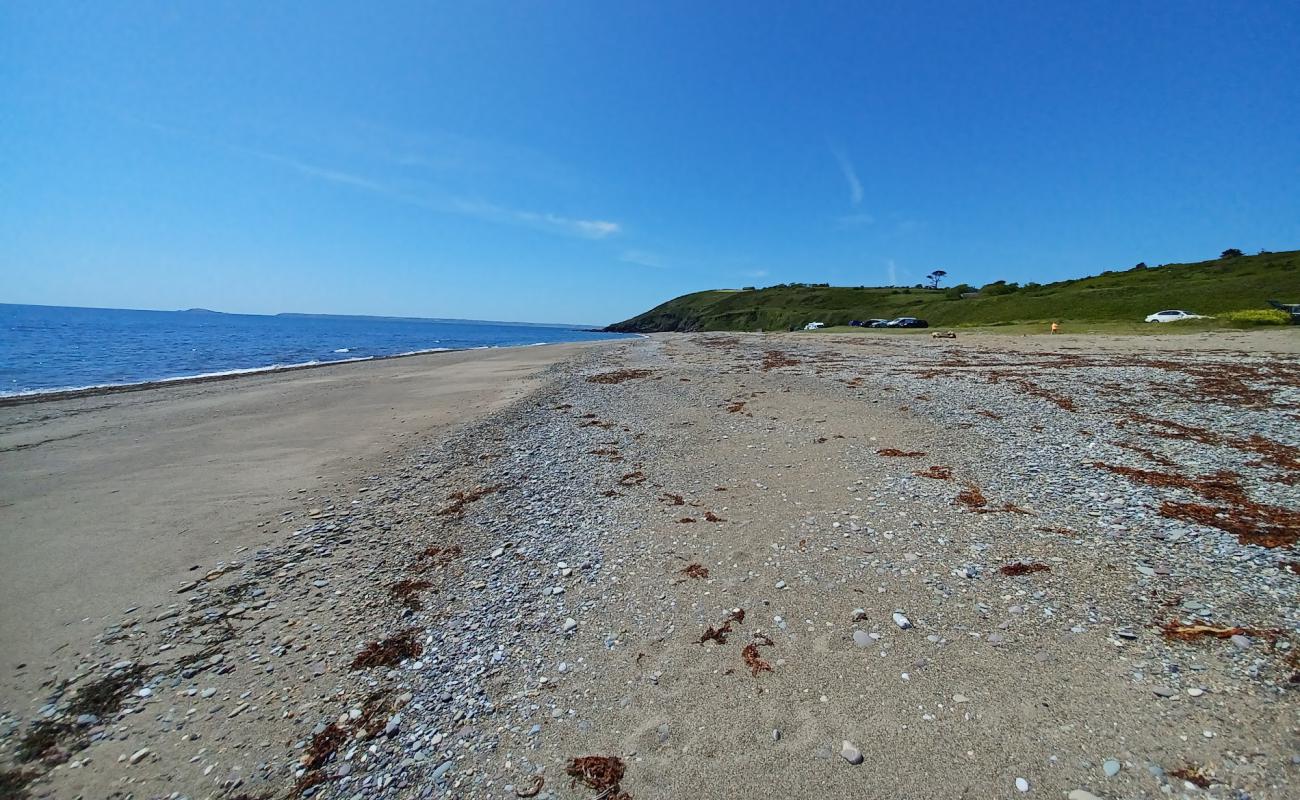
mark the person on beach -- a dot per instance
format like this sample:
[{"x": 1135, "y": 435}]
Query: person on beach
[{"x": 1056, "y": 327}]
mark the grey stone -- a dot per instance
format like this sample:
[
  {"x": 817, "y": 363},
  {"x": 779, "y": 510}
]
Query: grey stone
[{"x": 850, "y": 753}]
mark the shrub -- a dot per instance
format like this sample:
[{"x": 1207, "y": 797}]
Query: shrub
[
  {"x": 1231, "y": 252},
  {"x": 999, "y": 287},
  {"x": 1256, "y": 316}
]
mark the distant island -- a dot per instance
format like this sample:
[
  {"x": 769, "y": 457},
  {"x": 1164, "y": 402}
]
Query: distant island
[{"x": 1231, "y": 283}]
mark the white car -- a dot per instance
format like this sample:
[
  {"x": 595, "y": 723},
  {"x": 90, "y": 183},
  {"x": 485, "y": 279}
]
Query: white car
[
  {"x": 812, "y": 326},
  {"x": 1173, "y": 316}
]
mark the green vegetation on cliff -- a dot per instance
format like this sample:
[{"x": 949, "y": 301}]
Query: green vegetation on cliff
[{"x": 1232, "y": 283}]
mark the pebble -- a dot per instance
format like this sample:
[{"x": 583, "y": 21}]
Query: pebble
[
  {"x": 1022, "y": 785},
  {"x": 1111, "y": 767},
  {"x": 862, "y": 639},
  {"x": 1163, "y": 691},
  {"x": 850, "y": 753},
  {"x": 1081, "y": 794},
  {"x": 1241, "y": 642},
  {"x": 901, "y": 621},
  {"x": 569, "y": 625},
  {"x": 139, "y": 754}
]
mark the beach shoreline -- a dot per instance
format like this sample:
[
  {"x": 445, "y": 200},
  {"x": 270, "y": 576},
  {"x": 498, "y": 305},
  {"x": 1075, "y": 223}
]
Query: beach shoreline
[
  {"x": 43, "y": 395},
  {"x": 701, "y": 553},
  {"x": 107, "y": 498}
]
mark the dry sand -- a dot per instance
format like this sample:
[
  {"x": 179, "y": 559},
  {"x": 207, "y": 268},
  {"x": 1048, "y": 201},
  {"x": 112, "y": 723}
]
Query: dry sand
[{"x": 106, "y": 500}]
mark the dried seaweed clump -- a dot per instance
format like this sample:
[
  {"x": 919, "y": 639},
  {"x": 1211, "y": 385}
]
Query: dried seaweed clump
[
  {"x": 1185, "y": 632},
  {"x": 736, "y": 407},
  {"x": 391, "y": 651},
  {"x": 459, "y": 499},
  {"x": 773, "y": 359},
  {"x": 673, "y": 499},
  {"x": 972, "y": 497},
  {"x": 407, "y": 592},
  {"x": 602, "y": 773},
  {"x": 696, "y": 571},
  {"x": 632, "y": 478},
  {"x": 323, "y": 746},
  {"x": 13, "y": 783},
  {"x": 719, "y": 634},
  {"x": 709, "y": 516},
  {"x": 105, "y": 696},
  {"x": 752, "y": 659},
  {"x": 619, "y": 376},
  {"x": 1023, "y": 568},
  {"x": 442, "y": 555},
  {"x": 1250, "y": 522},
  {"x": 891, "y": 452},
  {"x": 936, "y": 471},
  {"x": 1223, "y": 485},
  {"x": 1193, "y": 774},
  {"x": 43, "y": 740}
]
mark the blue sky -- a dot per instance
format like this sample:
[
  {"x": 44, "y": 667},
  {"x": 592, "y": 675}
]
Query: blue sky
[{"x": 582, "y": 161}]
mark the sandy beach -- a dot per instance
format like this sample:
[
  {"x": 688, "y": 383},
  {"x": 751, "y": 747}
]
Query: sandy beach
[
  {"x": 106, "y": 499},
  {"x": 742, "y": 565}
]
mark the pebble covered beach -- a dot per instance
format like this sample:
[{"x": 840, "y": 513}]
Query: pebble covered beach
[{"x": 726, "y": 565}]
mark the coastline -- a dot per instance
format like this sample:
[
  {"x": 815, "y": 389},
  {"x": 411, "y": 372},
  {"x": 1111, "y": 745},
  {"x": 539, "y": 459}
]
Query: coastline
[
  {"x": 107, "y": 496},
  {"x": 458, "y": 605},
  {"x": 42, "y": 395}
]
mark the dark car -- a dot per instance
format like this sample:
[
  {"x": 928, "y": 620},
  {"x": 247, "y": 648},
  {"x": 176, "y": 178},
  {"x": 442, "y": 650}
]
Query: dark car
[
  {"x": 867, "y": 323},
  {"x": 907, "y": 322},
  {"x": 877, "y": 323}
]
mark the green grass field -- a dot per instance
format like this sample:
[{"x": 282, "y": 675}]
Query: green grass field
[{"x": 1121, "y": 299}]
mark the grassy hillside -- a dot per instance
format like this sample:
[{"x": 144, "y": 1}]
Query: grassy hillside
[{"x": 1207, "y": 287}]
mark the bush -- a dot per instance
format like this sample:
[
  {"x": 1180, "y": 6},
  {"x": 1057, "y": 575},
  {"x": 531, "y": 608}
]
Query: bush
[
  {"x": 999, "y": 287},
  {"x": 1256, "y": 316}
]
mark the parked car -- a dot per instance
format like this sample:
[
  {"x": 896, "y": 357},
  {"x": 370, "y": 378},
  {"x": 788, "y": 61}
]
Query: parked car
[
  {"x": 812, "y": 326},
  {"x": 1173, "y": 316},
  {"x": 907, "y": 322},
  {"x": 868, "y": 323}
]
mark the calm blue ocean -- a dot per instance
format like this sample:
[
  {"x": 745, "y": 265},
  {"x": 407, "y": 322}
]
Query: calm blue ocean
[{"x": 46, "y": 348}]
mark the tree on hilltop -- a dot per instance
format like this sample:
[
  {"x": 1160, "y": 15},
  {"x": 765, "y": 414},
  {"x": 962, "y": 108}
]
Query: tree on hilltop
[
  {"x": 1231, "y": 252},
  {"x": 935, "y": 277}
]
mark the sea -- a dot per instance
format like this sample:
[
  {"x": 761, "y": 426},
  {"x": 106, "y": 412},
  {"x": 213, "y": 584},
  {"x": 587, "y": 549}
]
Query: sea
[{"x": 55, "y": 348}]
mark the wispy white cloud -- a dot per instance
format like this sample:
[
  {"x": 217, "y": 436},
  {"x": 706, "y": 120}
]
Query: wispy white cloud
[
  {"x": 893, "y": 273},
  {"x": 417, "y": 193},
  {"x": 643, "y": 258},
  {"x": 755, "y": 273},
  {"x": 546, "y": 221},
  {"x": 584, "y": 228},
  {"x": 850, "y": 176},
  {"x": 854, "y": 220}
]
